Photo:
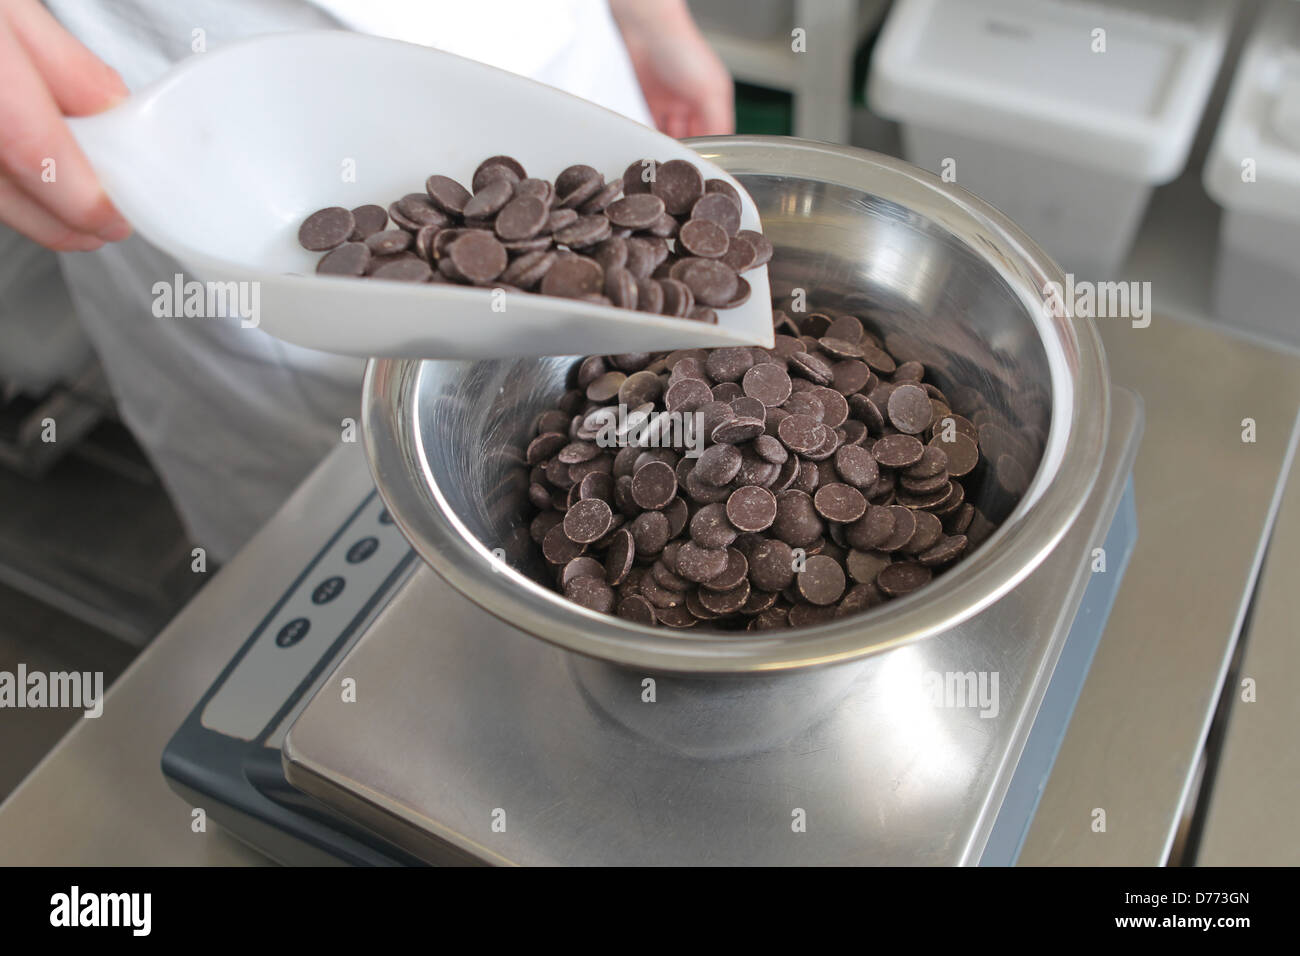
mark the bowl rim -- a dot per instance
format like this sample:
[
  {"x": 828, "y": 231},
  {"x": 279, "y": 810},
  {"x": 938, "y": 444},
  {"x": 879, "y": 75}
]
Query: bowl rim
[{"x": 1052, "y": 501}]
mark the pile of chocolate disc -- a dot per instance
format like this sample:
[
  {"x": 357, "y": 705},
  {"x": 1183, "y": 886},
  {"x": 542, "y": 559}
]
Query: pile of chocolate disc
[
  {"x": 829, "y": 478},
  {"x": 659, "y": 239}
]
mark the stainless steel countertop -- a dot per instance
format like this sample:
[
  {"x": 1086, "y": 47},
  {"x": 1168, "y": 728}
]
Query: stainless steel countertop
[
  {"x": 1205, "y": 502},
  {"x": 1253, "y": 816}
]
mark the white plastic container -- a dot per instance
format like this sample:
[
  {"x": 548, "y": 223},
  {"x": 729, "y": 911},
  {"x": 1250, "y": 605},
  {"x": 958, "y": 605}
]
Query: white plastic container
[
  {"x": 1253, "y": 171},
  {"x": 1017, "y": 101}
]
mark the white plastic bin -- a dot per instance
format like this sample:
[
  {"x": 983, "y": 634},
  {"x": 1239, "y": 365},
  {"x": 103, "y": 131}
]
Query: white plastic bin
[
  {"x": 1066, "y": 139},
  {"x": 1253, "y": 172}
]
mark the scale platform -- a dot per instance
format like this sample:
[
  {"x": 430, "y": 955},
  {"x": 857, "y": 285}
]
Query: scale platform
[{"x": 375, "y": 716}]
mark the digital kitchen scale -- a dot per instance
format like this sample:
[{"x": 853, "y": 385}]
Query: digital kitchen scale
[{"x": 375, "y": 716}]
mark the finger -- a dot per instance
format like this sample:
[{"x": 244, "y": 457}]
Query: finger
[
  {"x": 673, "y": 123},
  {"x": 713, "y": 124},
  {"x": 80, "y": 82},
  {"x": 21, "y": 213},
  {"x": 33, "y": 134},
  {"x": 716, "y": 115}
]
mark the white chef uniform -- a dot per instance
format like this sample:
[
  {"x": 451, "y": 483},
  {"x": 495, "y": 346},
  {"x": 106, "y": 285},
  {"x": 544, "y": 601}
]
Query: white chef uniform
[{"x": 232, "y": 418}]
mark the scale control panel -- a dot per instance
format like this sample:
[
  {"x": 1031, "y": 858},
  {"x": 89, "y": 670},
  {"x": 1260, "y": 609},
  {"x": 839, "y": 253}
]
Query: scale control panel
[
  {"x": 293, "y": 645},
  {"x": 226, "y": 756}
]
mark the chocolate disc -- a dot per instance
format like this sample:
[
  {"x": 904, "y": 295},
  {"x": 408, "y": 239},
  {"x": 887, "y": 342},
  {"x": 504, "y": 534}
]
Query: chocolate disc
[
  {"x": 369, "y": 219},
  {"x": 447, "y": 194},
  {"x": 719, "y": 208},
  {"x": 521, "y": 218},
  {"x": 711, "y": 282},
  {"x": 910, "y": 409},
  {"x": 654, "y": 485},
  {"x": 903, "y": 578},
  {"x": 635, "y": 210},
  {"x": 349, "y": 259},
  {"x": 822, "y": 580},
  {"x": 573, "y": 277},
  {"x": 679, "y": 184},
  {"x": 326, "y": 228},
  {"x": 478, "y": 256},
  {"x": 856, "y": 466},
  {"x": 703, "y": 238},
  {"x": 587, "y": 521},
  {"x": 897, "y": 451},
  {"x": 751, "y": 508}
]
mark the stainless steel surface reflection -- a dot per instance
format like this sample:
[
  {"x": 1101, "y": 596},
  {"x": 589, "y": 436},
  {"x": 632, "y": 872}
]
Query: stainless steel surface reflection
[
  {"x": 713, "y": 717},
  {"x": 942, "y": 277}
]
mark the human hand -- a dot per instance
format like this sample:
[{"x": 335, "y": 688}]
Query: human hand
[
  {"x": 686, "y": 86},
  {"x": 48, "y": 191}
]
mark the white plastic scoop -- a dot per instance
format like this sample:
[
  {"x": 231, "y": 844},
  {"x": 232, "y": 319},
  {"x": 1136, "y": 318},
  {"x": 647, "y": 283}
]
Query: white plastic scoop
[{"x": 219, "y": 162}]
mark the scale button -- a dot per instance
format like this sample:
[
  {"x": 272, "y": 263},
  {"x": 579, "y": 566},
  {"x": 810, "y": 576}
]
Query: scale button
[
  {"x": 362, "y": 550},
  {"x": 327, "y": 590},
  {"x": 385, "y": 517},
  {"x": 293, "y": 632}
]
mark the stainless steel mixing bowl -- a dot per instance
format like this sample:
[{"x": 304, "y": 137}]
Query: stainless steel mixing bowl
[{"x": 943, "y": 277}]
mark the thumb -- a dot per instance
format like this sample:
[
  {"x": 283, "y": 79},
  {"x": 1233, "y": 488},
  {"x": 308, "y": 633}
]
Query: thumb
[{"x": 79, "y": 82}]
